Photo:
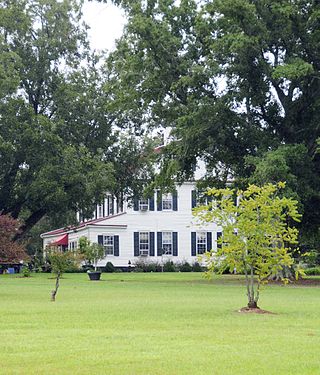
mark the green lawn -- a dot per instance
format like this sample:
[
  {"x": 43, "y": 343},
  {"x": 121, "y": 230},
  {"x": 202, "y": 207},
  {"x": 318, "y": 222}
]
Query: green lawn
[{"x": 155, "y": 324}]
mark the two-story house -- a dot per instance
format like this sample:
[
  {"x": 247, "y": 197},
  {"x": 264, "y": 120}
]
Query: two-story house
[{"x": 159, "y": 228}]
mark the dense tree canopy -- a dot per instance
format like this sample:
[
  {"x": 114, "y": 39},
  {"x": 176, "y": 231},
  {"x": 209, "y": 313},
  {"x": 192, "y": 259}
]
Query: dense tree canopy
[
  {"x": 238, "y": 81},
  {"x": 59, "y": 134}
]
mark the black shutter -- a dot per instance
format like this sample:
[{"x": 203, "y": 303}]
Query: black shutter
[
  {"x": 209, "y": 241},
  {"x": 193, "y": 244},
  {"x": 136, "y": 204},
  {"x": 175, "y": 243},
  {"x": 159, "y": 244},
  {"x": 209, "y": 199},
  {"x": 100, "y": 240},
  {"x": 104, "y": 208},
  {"x": 159, "y": 201},
  {"x": 151, "y": 204},
  {"x": 175, "y": 201},
  {"x": 116, "y": 245},
  {"x": 136, "y": 243},
  {"x": 193, "y": 198},
  {"x": 151, "y": 244},
  {"x": 219, "y": 245}
]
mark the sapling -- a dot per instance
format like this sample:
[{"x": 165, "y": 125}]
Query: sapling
[
  {"x": 91, "y": 252},
  {"x": 60, "y": 262},
  {"x": 257, "y": 237}
]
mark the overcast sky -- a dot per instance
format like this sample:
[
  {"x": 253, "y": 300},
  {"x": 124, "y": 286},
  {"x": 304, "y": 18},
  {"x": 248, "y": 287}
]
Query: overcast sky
[{"x": 106, "y": 23}]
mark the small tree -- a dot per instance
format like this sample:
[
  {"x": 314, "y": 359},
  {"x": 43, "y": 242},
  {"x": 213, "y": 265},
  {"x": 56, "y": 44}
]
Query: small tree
[
  {"x": 10, "y": 251},
  {"x": 256, "y": 235},
  {"x": 91, "y": 252},
  {"x": 60, "y": 262}
]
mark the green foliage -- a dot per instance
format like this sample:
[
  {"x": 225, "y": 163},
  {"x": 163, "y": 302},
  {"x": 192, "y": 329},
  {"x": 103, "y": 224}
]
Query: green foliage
[
  {"x": 313, "y": 271},
  {"x": 231, "y": 78},
  {"x": 257, "y": 237},
  {"x": 60, "y": 261},
  {"x": 293, "y": 164},
  {"x": 25, "y": 270},
  {"x": 91, "y": 252},
  {"x": 60, "y": 142},
  {"x": 185, "y": 267},
  {"x": 142, "y": 265},
  {"x": 196, "y": 267},
  {"x": 169, "y": 266},
  {"x": 109, "y": 268}
]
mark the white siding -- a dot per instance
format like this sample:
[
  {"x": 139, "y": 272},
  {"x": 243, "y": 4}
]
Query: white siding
[{"x": 180, "y": 221}]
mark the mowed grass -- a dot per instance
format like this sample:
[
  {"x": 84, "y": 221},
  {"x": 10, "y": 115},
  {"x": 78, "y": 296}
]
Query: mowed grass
[{"x": 155, "y": 324}]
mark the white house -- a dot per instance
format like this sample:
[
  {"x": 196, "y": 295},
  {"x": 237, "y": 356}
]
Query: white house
[{"x": 158, "y": 229}]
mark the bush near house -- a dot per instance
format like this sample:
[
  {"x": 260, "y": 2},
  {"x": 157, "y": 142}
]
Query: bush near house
[
  {"x": 313, "y": 271},
  {"x": 109, "y": 268},
  {"x": 168, "y": 266}
]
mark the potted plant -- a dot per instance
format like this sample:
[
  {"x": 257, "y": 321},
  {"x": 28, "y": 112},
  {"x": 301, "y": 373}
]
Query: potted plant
[{"x": 92, "y": 253}]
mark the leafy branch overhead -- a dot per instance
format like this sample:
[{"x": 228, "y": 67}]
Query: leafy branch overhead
[
  {"x": 232, "y": 79},
  {"x": 59, "y": 131}
]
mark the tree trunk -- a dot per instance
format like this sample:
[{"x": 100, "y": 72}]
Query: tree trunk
[
  {"x": 29, "y": 223},
  {"x": 252, "y": 305},
  {"x": 55, "y": 291}
]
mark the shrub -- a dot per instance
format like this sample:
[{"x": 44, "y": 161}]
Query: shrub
[
  {"x": 25, "y": 270},
  {"x": 185, "y": 267},
  {"x": 196, "y": 267},
  {"x": 109, "y": 267},
  {"x": 147, "y": 266},
  {"x": 138, "y": 269},
  {"x": 152, "y": 267},
  {"x": 314, "y": 271},
  {"x": 169, "y": 266}
]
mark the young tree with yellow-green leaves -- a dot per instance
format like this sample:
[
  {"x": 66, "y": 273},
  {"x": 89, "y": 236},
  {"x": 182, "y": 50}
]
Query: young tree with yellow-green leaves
[{"x": 257, "y": 235}]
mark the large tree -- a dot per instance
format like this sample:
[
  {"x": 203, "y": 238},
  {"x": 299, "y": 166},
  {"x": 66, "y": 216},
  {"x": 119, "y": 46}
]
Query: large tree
[
  {"x": 58, "y": 130},
  {"x": 232, "y": 78}
]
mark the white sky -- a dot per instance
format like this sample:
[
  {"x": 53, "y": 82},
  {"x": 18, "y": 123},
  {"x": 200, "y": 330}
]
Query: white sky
[{"x": 106, "y": 23}]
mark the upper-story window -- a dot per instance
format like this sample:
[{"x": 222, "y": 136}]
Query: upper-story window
[
  {"x": 167, "y": 202},
  {"x": 143, "y": 204},
  {"x": 200, "y": 198},
  {"x": 100, "y": 210}
]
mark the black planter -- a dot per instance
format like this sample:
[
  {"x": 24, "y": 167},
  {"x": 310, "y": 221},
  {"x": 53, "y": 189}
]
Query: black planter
[{"x": 94, "y": 275}]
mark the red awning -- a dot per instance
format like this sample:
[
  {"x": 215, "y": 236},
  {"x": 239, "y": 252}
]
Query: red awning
[{"x": 62, "y": 241}]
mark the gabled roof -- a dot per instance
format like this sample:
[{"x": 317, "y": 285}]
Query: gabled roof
[{"x": 71, "y": 228}]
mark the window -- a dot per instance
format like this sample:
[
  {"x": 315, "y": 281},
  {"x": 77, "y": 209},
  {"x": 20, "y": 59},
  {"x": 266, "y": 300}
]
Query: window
[
  {"x": 143, "y": 204},
  {"x": 73, "y": 245},
  {"x": 108, "y": 245},
  {"x": 110, "y": 205},
  {"x": 201, "y": 242},
  {"x": 144, "y": 243},
  {"x": 167, "y": 202},
  {"x": 167, "y": 243},
  {"x": 100, "y": 210}
]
